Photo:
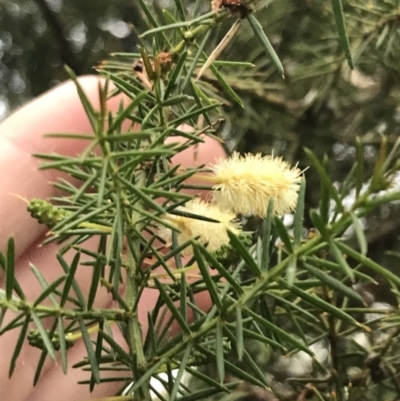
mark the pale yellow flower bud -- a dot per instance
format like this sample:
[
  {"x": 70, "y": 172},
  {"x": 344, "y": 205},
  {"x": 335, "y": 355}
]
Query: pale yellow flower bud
[
  {"x": 245, "y": 184},
  {"x": 213, "y": 234}
]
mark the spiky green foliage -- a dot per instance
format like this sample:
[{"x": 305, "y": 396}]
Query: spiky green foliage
[{"x": 289, "y": 290}]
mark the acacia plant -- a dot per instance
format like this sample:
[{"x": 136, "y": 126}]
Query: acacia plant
[{"x": 291, "y": 290}]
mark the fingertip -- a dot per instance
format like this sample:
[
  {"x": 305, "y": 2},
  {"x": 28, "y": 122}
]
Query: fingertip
[
  {"x": 204, "y": 153},
  {"x": 59, "y": 110}
]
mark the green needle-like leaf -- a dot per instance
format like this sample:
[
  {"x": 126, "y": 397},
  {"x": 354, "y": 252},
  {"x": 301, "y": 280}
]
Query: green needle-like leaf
[
  {"x": 239, "y": 333},
  {"x": 299, "y": 214},
  {"x": 175, "y": 75},
  {"x": 333, "y": 283},
  {"x": 63, "y": 345},
  {"x": 49, "y": 290},
  {"x": 367, "y": 262},
  {"x": 94, "y": 284},
  {"x": 182, "y": 368},
  {"x": 235, "y": 370},
  {"x": 283, "y": 234},
  {"x": 214, "y": 384},
  {"x": 341, "y": 27},
  {"x": 359, "y": 174},
  {"x": 40, "y": 366},
  {"x": 250, "y": 334},
  {"x": 3, "y": 261},
  {"x": 219, "y": 348},
  {"x": 70, "y": 271},
  {"x": 225, "y": 273},
  {"x": 90, "y": 112},
  {"x": 265, "y": 243},
  {"x": 326, "y": 307},
  {"x": 10, "y": 268},
  {"x": 360, "y": 234},
  {"x": 325, "y": 196},
  {"x": 94, "y": 364},
  {"x": 180, "y": 9},
  {"x": 323, "y": 175},
  {"x": 302, "y": 311},
  {"x": 119, "y": 351},
  {"x": 291, "y": 270},
  {"x": 254, "y": 304},
  {"x": 127, "y": 111},
  {"x": 279, "y": 332},
  {"x": 194, "y": 63},
  {"x": 265, "y": 43},
  {"x": 18, "y": 345},
  {"x": 172, "y": 307},
  {"x": 244, "y": 253},
  {"x": 98, "y": 354},
  {"x": 225, "y": 86},
  {"x": 340, "y": 258},
  {"x": 44, "y": 336},
  {"x": 205, "y": 272},
  {"x": 191, "y": 115}
]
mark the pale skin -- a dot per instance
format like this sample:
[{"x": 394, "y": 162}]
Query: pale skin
[{"x": 21, "y": 134}]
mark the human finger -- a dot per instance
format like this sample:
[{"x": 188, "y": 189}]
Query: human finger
[
  {"x": 205, "y": 153},
  {"x": 55, "y": 381},
  {"x": 43, "y": 258},
  {"x": 57, "y": 111}
]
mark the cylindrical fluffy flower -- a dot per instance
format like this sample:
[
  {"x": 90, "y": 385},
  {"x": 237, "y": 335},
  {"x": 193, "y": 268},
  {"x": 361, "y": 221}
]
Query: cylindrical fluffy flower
[
  {"x": 213, "y": 234},
  {"x": 245, "y": 184}
]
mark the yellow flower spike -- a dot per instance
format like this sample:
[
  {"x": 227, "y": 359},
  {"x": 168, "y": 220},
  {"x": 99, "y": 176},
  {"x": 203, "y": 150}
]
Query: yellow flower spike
[
  {"x": 245, "y": 184},
  {"x": 213, "y": 234}
]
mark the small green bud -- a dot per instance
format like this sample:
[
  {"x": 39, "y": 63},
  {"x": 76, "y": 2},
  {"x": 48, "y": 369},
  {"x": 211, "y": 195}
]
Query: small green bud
[
  {"x": 35, "y": 340},
  {"x": 46, "y": 213},
  {"x": 227, "y": 254}
]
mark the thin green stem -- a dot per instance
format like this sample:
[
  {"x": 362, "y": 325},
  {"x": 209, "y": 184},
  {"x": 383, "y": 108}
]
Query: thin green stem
[
  {"x": 133, "y": 285},
  {"x": 134, "y": 279},
  {"x": 44, "y": 311}
]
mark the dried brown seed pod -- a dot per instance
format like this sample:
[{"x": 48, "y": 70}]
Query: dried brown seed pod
[{"x": 234, "y": 6}]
